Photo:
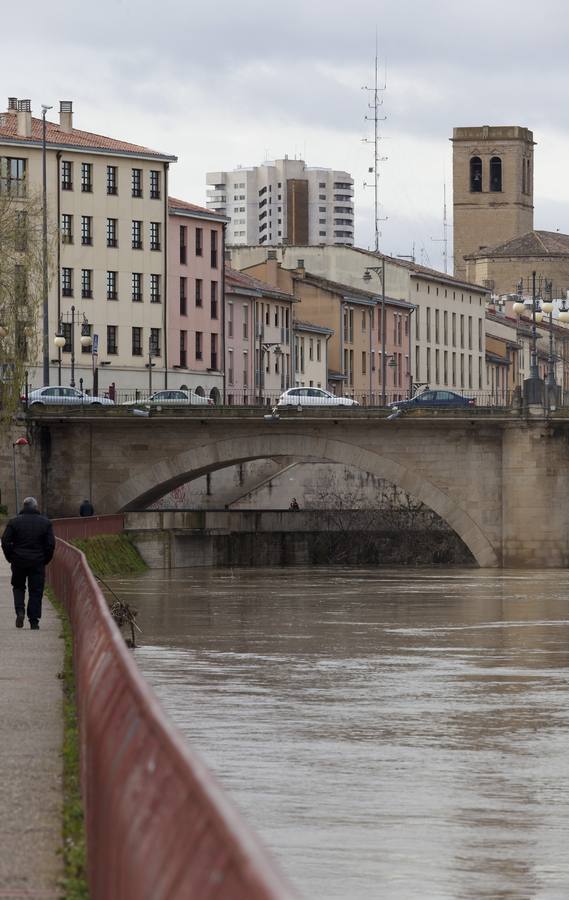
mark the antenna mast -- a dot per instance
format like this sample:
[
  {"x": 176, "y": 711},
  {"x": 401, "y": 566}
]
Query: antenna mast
[
  {"x": 444, "y": 239},
  {"x": 377, "y": 102}
]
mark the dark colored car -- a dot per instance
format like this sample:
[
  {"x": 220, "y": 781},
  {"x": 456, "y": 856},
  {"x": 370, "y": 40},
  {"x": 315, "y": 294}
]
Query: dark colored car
[{"x": 431, "y": 399}]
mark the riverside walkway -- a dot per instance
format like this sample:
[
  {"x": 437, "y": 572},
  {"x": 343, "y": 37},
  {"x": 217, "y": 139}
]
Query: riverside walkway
[{"x": 31, "y": 719}]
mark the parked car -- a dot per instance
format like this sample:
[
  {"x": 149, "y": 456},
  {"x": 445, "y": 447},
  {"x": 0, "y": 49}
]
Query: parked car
[
  {"x": 428, "y": 399},
  {"x": 64, "y": 396},
  {"x": 303, "y": 396},
  {"x": 172, "y": 398}
]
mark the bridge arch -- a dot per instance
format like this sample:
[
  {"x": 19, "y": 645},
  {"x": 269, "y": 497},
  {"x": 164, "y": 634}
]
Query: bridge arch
[{"x": 150, "y": 482}]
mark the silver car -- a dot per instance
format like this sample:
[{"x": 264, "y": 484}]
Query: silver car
[
  {"x": 303, "y": 396},
  {"x": 65, "y": 396},
  {"x": 172, "y": 398}
]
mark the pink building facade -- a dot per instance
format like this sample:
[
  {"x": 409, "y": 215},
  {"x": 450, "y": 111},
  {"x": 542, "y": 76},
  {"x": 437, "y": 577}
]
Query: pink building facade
[
  {"x": 259, "y": 362},
  {"x": 196, "y": 250}
]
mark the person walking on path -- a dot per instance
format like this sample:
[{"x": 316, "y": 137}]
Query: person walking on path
[{"x": 28, "y": 544}]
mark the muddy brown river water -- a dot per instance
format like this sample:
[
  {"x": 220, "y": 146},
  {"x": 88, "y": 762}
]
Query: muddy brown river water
[{"x": 393, "y": 734}]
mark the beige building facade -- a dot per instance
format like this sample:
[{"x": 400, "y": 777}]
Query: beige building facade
[
  {"x": 107, "y": 205},
  {"x": 445, "y": 344}
]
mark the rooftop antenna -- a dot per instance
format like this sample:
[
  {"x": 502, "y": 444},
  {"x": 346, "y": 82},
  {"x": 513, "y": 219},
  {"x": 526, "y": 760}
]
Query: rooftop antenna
[
  {"x": 444, "y": 239},
  {"x": 376, "y": 103}
]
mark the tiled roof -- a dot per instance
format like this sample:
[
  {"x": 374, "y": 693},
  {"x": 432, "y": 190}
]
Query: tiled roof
[
  {"x": 182, "y": 205},
  {"x": 247, "y": 282},
  {"x": 533, "y": 243},
  {"x": 334, "y": 286},
  {"x": 56, "y": 136},
  {"x": 311, "y": 326}
]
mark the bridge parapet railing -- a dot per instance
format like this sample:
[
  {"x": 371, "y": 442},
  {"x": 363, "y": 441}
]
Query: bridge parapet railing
[{"x": 158, "y": 825}]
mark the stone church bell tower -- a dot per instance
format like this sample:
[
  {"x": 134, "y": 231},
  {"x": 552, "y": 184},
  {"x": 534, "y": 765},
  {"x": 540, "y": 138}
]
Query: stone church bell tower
[{"x": 492, "y": 188}]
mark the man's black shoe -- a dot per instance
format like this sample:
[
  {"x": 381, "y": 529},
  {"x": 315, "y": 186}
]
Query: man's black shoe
[
  {"x": 19, "y": 620},
  {"x": 34, "y": 624}
]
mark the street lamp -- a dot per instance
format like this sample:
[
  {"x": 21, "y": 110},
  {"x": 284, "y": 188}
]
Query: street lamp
[
  {"x": 533, "y": 386},
  {"x": 266, "y": 349},
  {"x": 45, "y": 342},
  {"x": 380, "y": 272},
  {"x": 72, "y": 318}
]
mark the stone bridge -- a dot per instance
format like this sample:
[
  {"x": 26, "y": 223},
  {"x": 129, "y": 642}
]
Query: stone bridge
[{"x": 500, "y": 481}]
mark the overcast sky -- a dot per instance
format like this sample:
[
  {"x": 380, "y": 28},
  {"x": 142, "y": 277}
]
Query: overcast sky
[{"x": 221, "y": 84}]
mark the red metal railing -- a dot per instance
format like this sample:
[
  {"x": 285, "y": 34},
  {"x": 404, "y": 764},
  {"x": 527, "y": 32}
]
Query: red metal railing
[
  {"x": 158, "y": 825},
  {"x": 89, "y": 526}
]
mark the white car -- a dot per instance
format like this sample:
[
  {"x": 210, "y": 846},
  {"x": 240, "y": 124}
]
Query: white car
[
  {"x": 64, "y": 396},
  {"x": 303, "y": 396},
  {"x": 172, "y": 398}
]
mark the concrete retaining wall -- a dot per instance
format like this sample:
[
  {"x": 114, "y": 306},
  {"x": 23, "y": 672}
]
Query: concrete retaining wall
[{"x": 158, "y": 825}]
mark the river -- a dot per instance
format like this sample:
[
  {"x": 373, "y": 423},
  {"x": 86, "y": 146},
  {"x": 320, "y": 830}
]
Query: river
[{"x": 393, "y": 734}]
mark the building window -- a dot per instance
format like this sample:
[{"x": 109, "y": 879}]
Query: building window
[
  {"x": 495, "y": 174},
  {"x": 199, "y": 292},
  {"x": 183, "y": 296},
  {"x": 112, "y": 340},
  {"x": 199, "y": 241},
  {"x": 66, "y": 229},
  {"x": 87, "y": 178},
  {"x": 437, "y": 335},
  {"x": 137, "y": 182},
  {"x": 462, "y": 333},
  {"x": 87, "y": 230},
  {"x": 66, "y": 175},
  {"x": 87, "y": 284},
  {"x": 214, "y": 249},
  {"x": 183, "y": 244},
  {"x": 154, "y": 345},
  {"x": 214, "y": 299},
  {"x": 112, "y": 285},
  {"x": 475, "y": 175},
  {"x": 230, "y": 370},
  {"x": 470, "y": 332},
  {"x": 213, "y": 353},
  {"x": 199, "y": 345},
  {"x": 245, "y": 369},
  {"x": 136, "y": 341},
  {"x": 230, "y": 320},
  {"x": 155, "y": 289},
  {"x": 112, "y": 233},
  {"x": 66, "y": 331},
  {"x": 112, "y": 180},
  {"x": 183, "y": 350},
  {"x": 429, "y": 324},
  {"x": 136, "y": 283},
  {"x": 67, "y": 282},
  {"x": 136, "y": 234},
  {"x": 364, "y": 357},
  {"x": 155, "y": 235},
  {"x": 13, "y": 176},
  {"x": 154, "y": 184},
  {"x": 245, "y": 323},
  {"x": 21, "y": 231}
]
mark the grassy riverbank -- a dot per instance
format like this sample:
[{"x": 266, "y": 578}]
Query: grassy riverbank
[{"x": 111, "y": 554}]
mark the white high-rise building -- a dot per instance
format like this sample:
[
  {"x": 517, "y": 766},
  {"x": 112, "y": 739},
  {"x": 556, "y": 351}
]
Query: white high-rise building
[{"x": 284, "y": 201}]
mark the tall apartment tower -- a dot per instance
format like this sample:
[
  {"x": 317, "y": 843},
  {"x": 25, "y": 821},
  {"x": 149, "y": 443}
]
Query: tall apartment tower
[
  {"x": 492, "y": 188},
  {"x": 284, "y": 202}
]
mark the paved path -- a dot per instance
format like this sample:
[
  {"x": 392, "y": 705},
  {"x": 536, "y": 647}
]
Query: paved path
[{"x": 31, "y": 733}]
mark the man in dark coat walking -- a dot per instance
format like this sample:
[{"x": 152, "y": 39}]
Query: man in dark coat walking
[{"x": 28, "y": 544}]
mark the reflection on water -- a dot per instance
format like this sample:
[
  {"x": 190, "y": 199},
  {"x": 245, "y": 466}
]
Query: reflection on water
[{"x": 394, "y": 734}]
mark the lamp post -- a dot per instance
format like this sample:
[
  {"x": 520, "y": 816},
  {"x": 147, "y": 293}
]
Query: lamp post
[
  {"x": 72, "y": 318},
  {"x": 380, "y": 272},
  {"x": 45, "y": 341},
  {"x": 266, "y": 349},
  {"x": 533, "y": 386},
  {"x": 20, "y": 442},
  {"x": 150, "y": 365}
]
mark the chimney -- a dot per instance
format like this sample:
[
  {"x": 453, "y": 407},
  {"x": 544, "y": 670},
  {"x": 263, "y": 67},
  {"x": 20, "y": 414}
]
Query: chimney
[
  {"x": 24, "y": 118},
  {"x": 300, "y": 270},
  {"x": 271, "y": 254},
  {"x": 12, "y": 104},
  {"x": 66, "y": 115}
]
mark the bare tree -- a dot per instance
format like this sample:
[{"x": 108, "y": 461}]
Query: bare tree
[{"x": 21, "y": 289}]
